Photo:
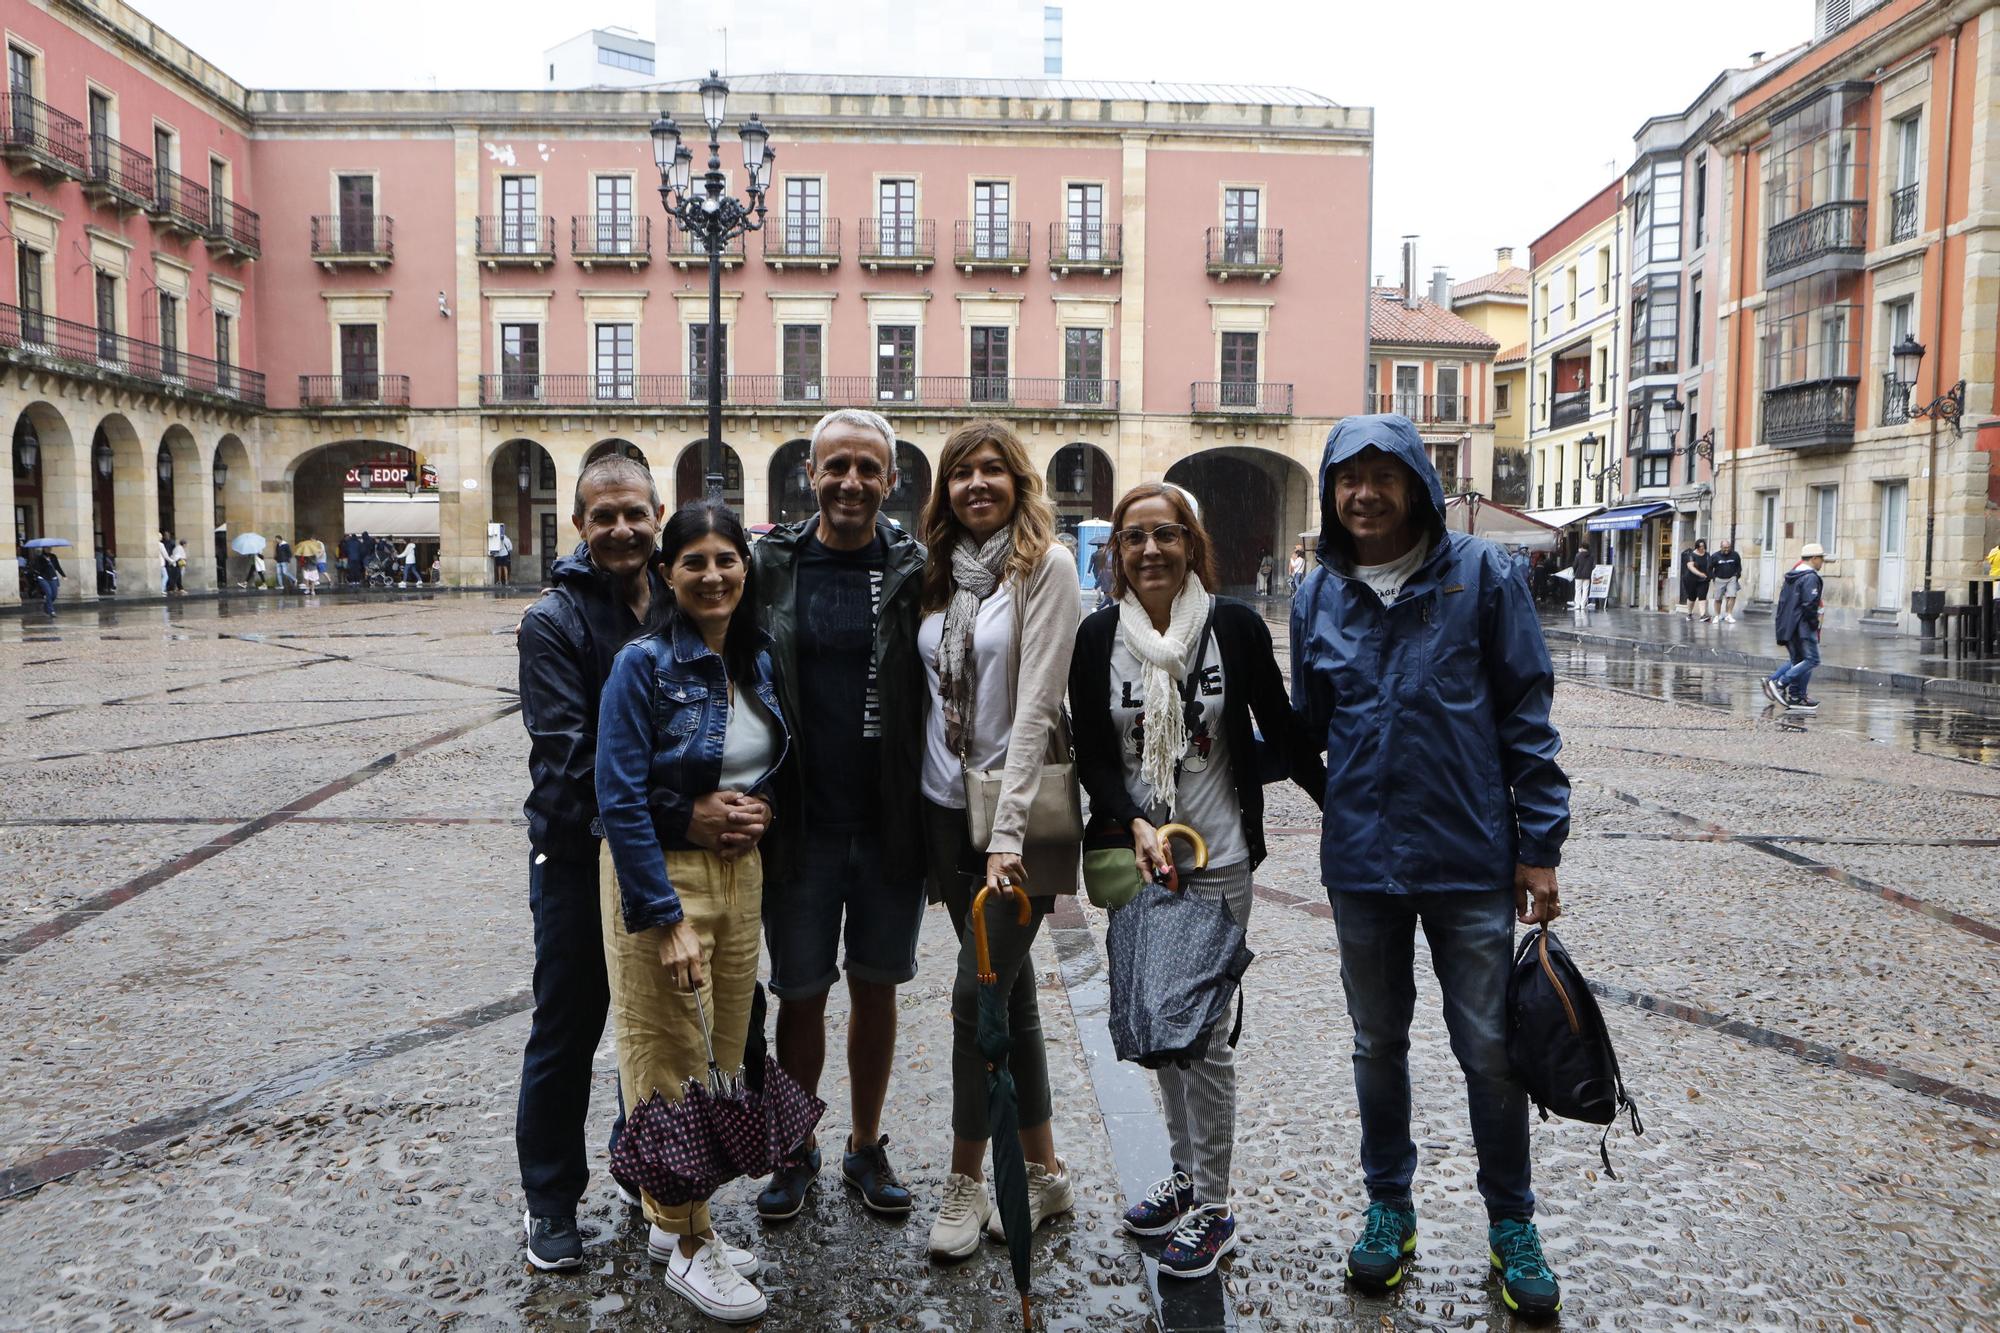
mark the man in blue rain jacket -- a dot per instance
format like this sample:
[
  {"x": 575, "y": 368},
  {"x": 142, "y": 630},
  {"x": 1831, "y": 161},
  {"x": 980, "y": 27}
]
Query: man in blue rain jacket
[{"x": 1418, "y": 664}]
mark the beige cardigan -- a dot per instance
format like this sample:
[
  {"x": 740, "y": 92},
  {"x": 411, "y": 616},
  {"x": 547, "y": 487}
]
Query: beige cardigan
[{"x": 1047, "y": 611}]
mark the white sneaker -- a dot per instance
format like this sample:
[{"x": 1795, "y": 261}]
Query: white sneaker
[
  {"x": 708, "y": 1282},
  {"x": 1049, "y": 1195},
  {"x": 1729, "y": 620},
  {"x": 662, "y": 1245},
  {"x": 967, "y": 1208}
]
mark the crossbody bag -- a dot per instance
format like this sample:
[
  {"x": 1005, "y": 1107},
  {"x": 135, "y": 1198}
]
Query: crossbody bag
[{"x": 1055, "y": 811}]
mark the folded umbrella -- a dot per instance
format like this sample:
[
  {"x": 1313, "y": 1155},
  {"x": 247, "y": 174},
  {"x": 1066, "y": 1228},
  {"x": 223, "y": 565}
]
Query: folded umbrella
[
  {"x": 1176, "y": 961},
  {"x": 1003, "y": 1114},
  {"x": 248, "y": 543}
]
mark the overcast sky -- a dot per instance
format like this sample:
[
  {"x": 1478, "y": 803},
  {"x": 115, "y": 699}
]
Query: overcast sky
[{"x": 1493, "y": 120}]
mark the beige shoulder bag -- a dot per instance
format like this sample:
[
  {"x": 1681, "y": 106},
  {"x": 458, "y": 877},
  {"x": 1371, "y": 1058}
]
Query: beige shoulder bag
[{"x": 1055, "y": 813}]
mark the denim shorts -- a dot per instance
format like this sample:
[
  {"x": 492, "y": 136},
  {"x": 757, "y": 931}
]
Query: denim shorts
[{"x": 841, "y": 872}]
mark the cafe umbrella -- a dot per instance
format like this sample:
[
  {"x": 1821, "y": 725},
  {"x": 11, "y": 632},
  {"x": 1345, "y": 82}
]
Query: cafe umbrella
[{"x": 1003, "y": 1114}]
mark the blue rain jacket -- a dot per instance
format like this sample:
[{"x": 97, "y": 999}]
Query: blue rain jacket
[{"x": 1441, "y": 766}]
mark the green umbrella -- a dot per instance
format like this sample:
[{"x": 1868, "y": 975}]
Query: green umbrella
[{"x": 1003, "y": 1116}]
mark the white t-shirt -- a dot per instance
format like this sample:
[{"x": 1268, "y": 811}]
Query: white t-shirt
[
  {"x": 992, "y": 698},
  {"x": 1205, "y": 788},
  {"x": 749, "y": 742},
  {"x": 1388, "y": 579}
]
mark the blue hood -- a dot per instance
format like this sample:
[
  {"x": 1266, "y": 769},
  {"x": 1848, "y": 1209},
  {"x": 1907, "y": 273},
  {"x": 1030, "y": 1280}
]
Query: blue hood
[{"x": 1395, "y": 436}]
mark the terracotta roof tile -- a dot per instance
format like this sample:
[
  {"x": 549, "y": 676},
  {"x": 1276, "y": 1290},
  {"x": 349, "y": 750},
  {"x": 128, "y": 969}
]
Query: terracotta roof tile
[
  {"x": 1518, "y": 352},
  {"x": 1430, "y": 324},
  {"x": 1509, "y": 281}
]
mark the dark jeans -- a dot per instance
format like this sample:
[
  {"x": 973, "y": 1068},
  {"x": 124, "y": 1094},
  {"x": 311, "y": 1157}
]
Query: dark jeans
[
  {"x": 571, "y": 998},
  {"x": 1471, "y": 939},
  {"x": 1804, "y": 650}
]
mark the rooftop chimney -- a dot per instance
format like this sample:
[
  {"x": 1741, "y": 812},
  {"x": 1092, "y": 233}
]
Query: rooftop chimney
[
  {"x": 1441, "y": 287},
  {"x": 1410, "y": 297},
  {"x": 1505, "y": 256}
]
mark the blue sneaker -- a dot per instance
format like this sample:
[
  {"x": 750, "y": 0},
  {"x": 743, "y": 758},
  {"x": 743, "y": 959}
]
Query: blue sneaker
[
  {"x": 1388, "y": 1237},
  {"x": 867, "y": 1169},
  {"x": 1208, "y": 1233},
  {"x": 790, "y": 1183},
  {"x": 1527, "y": 1283},
  {"x": 1160, "y": 1212}
]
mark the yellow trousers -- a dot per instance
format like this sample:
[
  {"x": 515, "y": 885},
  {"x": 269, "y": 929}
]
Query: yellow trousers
[{"x": 658, "y": 1033}]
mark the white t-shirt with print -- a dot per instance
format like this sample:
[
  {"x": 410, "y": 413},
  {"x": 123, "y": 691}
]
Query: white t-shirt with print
[{"x": 1204, "y": 789}]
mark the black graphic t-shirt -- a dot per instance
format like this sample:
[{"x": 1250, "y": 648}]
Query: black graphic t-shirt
[{"x": 840, "y": 727}]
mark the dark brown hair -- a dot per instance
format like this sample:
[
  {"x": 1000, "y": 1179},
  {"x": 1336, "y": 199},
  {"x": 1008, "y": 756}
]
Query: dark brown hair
[{"x": 1200, "y": 551}]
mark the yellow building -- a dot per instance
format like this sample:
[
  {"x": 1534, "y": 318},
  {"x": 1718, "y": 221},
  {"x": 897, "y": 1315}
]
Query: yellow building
[{"x": 1496, "y": 304}]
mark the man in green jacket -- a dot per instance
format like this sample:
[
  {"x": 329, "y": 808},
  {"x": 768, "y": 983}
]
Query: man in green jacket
[{"x": 839, "y": 592}]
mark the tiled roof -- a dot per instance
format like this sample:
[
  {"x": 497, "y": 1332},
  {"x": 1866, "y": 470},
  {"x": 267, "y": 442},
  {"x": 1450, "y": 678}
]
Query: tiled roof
[
  {"x": 1509, "y": 281},
  {"x": 1430, "y": 324},
  {"x": 1518, "y": 352}
]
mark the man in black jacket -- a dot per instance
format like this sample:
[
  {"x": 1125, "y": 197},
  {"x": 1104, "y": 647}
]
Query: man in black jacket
[
  {"x": 1796, "y": 622},
  {"x": 1725, "y": 581}
]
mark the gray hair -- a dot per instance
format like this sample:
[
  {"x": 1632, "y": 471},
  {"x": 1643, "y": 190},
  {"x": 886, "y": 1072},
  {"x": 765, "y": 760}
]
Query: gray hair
[
  {"x": 861, "y": 419},
  {"x": 617, "y": 469}
]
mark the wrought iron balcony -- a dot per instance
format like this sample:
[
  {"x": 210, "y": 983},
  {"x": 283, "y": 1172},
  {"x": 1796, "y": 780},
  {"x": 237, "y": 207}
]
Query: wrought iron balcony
[
  {"x": 354, "y": 389},
  {"x": 119, "y": 177},
  {"x": 977, "y": 245},
  {"x": 611, "y": 238},
  {"x": 1448, "y": 409},
  {"x": 1567, "y": 409},
  {"x": 791, "y": 392},
  {"x": 898, "y": 242},
  {"x": 1830, "y": 231},
  {"x": 179, "y": 203},
  {"x": 234, "y": 230},
  {"x": 36, "y": 137},
  {"x": 1239, "y": 398},
  {"x": 31, "y": 337},
  {"x": 353, "y": 238},
  {"x": 1245, "y": 252},
  {"x": 1904, "y": 209},
  {"x": 1812, "y": 415},
  {"x": 684, "y": 249},
  {"x": 514, "y": 238},
  {"x": 1074, "y": 247},
  {"x": 804, "y": 241},
  {"x": 1895, "y": 400}
]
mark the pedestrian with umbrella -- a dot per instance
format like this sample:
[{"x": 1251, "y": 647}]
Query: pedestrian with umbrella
[
  {"x": 251, "y": 544},
  {"x": 1164, "y": 686},
  {"x": 689, "y": 729},
  {"x": 1000, "y": 604},
  {"x": 45, "y": 569}
]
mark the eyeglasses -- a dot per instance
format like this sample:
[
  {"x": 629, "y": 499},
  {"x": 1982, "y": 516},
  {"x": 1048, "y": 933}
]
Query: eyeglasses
[{"x": 1165, "y": 536}]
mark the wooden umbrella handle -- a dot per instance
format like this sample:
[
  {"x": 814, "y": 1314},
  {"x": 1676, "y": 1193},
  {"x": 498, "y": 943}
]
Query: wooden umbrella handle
[
  {"x": 1023, "y": 909},
  {"x": 1200, "y": 844}
]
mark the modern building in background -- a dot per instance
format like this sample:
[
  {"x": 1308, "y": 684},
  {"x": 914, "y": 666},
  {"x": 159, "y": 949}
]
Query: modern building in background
[
  {"x": 1496, "y": 304},
  {"x": 1427, "y": 364},
  {"x": 225, "y": 310},
  {"x": 600, "y": 58},
  {"x": 999, "y": 39}
]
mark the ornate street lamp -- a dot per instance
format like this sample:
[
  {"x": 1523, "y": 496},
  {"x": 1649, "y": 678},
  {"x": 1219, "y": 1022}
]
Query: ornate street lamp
[
  {"x": 221, "y": 474},
  {"x": 101, "y": 456},
  {"x": 526, "y": 476},
  {"x": 714, "y": 219},
  {"x": 1947, "y": 407},
  {"x": 29, "y": 449},
  {"x": 1609, "y": 472},
  {"x": 166, "y": 468},
  {"x": 410, "y": 482},
  {"x": 366, "y": 473},
  {"x": 1703, "y": 446}
]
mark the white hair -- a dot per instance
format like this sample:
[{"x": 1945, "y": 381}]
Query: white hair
[{"x": 861, "y": 419}]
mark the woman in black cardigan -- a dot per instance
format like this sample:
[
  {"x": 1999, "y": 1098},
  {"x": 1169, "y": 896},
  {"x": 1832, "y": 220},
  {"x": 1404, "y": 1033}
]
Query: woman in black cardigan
[{"x": 1163, "y": 686}]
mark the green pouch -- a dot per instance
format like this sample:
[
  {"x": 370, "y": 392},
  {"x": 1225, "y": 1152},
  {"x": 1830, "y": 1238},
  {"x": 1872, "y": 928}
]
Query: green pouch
[{"x": 1110, "y": 876}]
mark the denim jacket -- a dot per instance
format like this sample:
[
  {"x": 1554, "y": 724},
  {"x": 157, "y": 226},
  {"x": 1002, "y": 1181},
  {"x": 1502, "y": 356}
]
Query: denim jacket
[{"x": 660, "y": 728}]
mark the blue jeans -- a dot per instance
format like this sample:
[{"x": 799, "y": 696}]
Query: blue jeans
[
  {"x": 571, "y": 998},
  {"x": 49, "y": 588},
  {"x": 1804, "y": 649},
  {"x": 1471, "y": 939}
]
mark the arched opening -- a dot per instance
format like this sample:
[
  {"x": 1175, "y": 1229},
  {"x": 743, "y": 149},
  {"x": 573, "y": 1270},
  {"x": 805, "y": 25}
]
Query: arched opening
[
  {"x": 792, "y": 495},
  {"x": 1080, "y": 485},
  {"x": 614, "y": 445},
  {"x": 904, "y": 505},
  {"x": 45, "y": 489},
  {"x": 527, "y": 509},
  {"x": 1253, "y": 502},
  {"x": 126, "y": 540},
  {"x": 358, "y": 497},
  {"x": 691, "y": 477},
  {"x": 184, "y": 508},
  {"x": 235, "y": 513}
]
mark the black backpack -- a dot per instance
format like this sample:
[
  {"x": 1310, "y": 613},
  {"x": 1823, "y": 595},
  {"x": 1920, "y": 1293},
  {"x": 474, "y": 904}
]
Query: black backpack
[{"x": 1557, "y": 1041}]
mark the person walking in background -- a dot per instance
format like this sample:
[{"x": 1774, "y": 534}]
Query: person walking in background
[
  {"x": 166, "y": 551},
  {"x": 1993, "y": 562},
  {"x": 1001, "y": 606},
  {"x": 1796, "y": 623},
  {"x": 1580, "y": 570},
  {"x": 281, "y": 560},
  {"x": 1298, "y": 566},
  {"x": 47, "y": 572},
  {"x": 501, "y": 548},
  {"x": 1266, "y": 567},
  {"x": 1419, "y": 668},
  {"x": 689, "y": 723},
  {"x": 1164, "y": 685},
  {"x": 411, "y": 575},
  {"x": 840, "y": 594},
  {"x": 177, "y": 560},
  {"x": 1693, "y": 566},
  {"x": 1725, "y": 582}
]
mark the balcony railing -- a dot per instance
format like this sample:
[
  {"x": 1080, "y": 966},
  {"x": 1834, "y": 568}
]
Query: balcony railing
[
  {"x": 355, "y": 238},
  {"x": 40, "y": 137},
  {"x": 1249, "y": 398},
  {"x": 234, "y": 228},
  {"x": 804, "y": 239},
  {"x": 1895, "y": 400},
  {"x": 179, "y": 202},
  {"x": 1444, "y": 408},
  {"x": 684, "y": 248},
  {"x": 1903, "y": 212},
  {"x": 28, "y": 334},
  {"x": 611, "y": 238},
  {"x": 354, "y": 389},
  {"x": 1810, "y": 415},
  {"x": 898, "y": 242},
  {"x": 514, "y": 238},
  {"x": 119, "y": 174},
  {"x": 1828, "y": 230},
  {"x": 954, "y": 392},
  {"x": 1566, "y": 409},
  {"x": 989, "y": 245},
  {"x": 1258, "y": 251},
  {"x": 1074, "y": 246}
]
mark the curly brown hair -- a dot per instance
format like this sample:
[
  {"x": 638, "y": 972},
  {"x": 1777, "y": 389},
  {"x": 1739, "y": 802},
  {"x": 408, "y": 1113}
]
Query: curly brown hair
[{"x": 1200, "y": 551}]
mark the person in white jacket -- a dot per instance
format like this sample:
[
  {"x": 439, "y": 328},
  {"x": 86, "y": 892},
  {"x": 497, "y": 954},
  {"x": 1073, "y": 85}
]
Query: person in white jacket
[{"x": 411, "y": 574}]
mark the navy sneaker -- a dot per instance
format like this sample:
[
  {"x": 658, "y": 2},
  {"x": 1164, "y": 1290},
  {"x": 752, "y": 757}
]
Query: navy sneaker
[
  {"x": 1160, "y": 1212},
  {"x": 1527, "y": 1283},
  {"x": 1771, "y": 690},
  {"x": 1798, "y": 703},
  {"x": 1208, "y": 1233},
  {"x": 553, "y": 1242},
  {"x": 1388, "y": 1237},
  {"x": 867, "y": 1169},
  {"x": 790, "y": 1183}
]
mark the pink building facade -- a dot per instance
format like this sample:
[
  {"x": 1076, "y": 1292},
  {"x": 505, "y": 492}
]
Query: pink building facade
[{"x": 478, "y": 290}]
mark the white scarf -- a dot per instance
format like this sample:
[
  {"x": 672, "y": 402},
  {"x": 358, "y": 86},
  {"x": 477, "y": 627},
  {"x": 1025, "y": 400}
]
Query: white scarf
[{"x": 1163, "y": 664}]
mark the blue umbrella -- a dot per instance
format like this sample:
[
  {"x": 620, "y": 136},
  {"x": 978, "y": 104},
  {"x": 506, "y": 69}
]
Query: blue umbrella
[
  {"x": 248, "y": 544},
  {"x": 40, "y": 543}
]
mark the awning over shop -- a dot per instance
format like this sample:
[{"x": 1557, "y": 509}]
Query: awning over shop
[
  {"x": 1626, "y": 517},
  {"x": 1562, "y": 516},
  {"x": 1498, "y": 523}
]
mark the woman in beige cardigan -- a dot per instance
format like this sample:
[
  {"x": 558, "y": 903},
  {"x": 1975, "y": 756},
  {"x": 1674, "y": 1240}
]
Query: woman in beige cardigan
[{"x": 1000, "y": 614}]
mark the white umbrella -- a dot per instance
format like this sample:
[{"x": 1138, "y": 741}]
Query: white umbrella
[{"x": 248, "y": 543}]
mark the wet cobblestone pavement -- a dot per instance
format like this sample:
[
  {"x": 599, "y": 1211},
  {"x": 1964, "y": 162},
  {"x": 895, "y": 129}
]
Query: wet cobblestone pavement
[{"x": 263, "y": 996}]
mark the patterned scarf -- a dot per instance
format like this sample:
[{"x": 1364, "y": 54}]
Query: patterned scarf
[
  {"x": 1163, "y": 663},
  {"x": 975, "y": 576}
]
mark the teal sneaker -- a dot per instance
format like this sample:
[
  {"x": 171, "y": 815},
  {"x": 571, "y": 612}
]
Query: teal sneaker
[
  {"x": 1527, "y": 1283},
  {"x": 1388, "y": 1237}
]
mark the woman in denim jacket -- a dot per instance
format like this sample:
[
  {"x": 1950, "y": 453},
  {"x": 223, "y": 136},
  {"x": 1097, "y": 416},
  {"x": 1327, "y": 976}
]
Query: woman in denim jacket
[{"x": 688, "y": 736}]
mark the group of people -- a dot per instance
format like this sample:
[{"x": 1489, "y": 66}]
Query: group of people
[
  {"x": 364, "y": 556},
  {"x": 731, "y": 746},
  {"x": 1710, "y": 584}
]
